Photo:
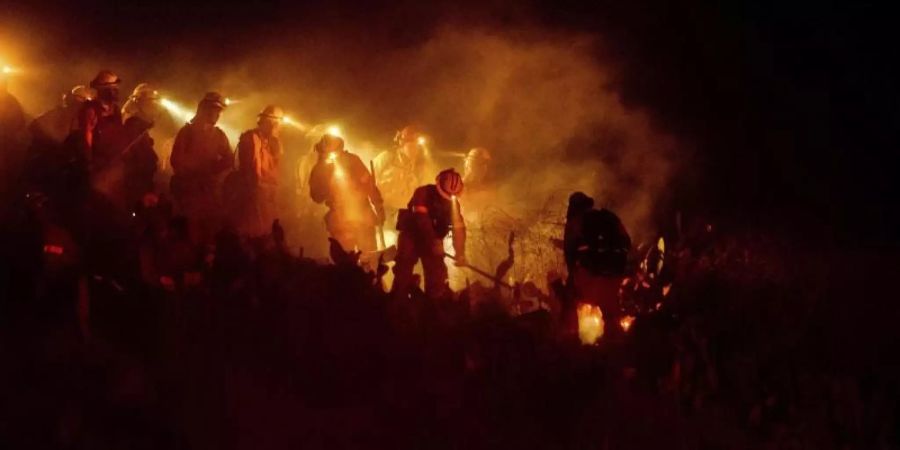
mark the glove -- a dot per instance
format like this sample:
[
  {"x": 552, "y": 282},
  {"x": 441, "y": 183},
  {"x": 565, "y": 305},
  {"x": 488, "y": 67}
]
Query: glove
[{"x": 460, "y": 260}]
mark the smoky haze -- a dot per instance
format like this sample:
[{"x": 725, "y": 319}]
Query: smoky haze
[{"x": 540, "y": 100}]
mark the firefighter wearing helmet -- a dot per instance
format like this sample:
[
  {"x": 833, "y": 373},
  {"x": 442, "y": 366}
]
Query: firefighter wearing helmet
[
  {"x": 51, "y": 128},
  {"x": 201, "y": 155},
  {"x": 103, "y": 135},
  {"x": 342, "y": 182},
  {"x": 431, "y": 214},
  {"x": 141, "y": 113},
  {"x": 257, "y": 177},
  {"x": 400, "y": 171}
]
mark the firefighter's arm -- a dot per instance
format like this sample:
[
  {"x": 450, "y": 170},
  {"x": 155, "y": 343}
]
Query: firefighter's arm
[
  {"x": 367, "y": 181},
  {"x": 226, "y": 156},
  {"x": 249, "y": 163},
  {"x": 320, "y": 181},
  {"x": 87, "y": 121},
  {"x": 178, "y": 159}
]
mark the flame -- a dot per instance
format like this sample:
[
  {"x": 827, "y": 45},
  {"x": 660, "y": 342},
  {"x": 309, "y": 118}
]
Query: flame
[
  {"x": 335, "y": 130},
  {"x": 590, "y": 323},
  {"x": 666, "y": 289},
  {"x": 421, "y": 140},
  {"x": 626, "y": 322},
  {"x": 9, "y": 70}
]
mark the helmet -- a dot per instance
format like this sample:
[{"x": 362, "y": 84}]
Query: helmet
[
  {"x": 579, "y": 201},
  {"x": 82, "y": 93},
  {"x": 409, "y": 133},
  {"x": 449, "y": 183},
  {"x": 330, "y": 143},
  {"x": 143, "y": 91},
  {"x": 478, "y": 154},
  {"x": 214, "y": 99},
  {"x": 272, "y": 112},
  {"x": 105, "y": 78}
]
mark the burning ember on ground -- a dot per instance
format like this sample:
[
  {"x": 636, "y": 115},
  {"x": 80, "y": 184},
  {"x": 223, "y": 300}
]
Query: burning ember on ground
[
  {"x": 590, "y": 323},
  {"x": 626, "y": 322}
]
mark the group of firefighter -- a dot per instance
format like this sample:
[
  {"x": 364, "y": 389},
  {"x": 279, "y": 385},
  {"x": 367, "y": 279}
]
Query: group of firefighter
[{"x": 91, "y": 143}]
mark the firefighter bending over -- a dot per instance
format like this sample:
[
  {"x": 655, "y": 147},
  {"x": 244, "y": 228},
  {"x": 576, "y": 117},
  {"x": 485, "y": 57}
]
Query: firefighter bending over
[
  {"x": 431, "y": 214},
  {"x": 341, "y": 181}
]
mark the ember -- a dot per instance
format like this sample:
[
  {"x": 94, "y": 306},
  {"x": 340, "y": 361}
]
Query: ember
[{"x": 590, "y": 323}]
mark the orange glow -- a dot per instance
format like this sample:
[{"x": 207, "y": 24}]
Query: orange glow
[
  {"x": 590, "y": 323},
  {"x": 626, "y": 322}
]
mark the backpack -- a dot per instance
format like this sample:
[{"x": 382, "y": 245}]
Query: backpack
[{"x": 605, "y": 243}]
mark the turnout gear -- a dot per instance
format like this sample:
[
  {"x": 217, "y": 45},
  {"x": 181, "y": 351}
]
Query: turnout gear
[
  {"x": 400, "y": 171},
  {"x": 140, "y": 160},
  {"x": 200, "y": 156},
  {"x": 596, "y": 247},
  {"x": 341, "y": 180},
  {"x": 259, "y": 157},
  {"x": 429, "y": 217}
]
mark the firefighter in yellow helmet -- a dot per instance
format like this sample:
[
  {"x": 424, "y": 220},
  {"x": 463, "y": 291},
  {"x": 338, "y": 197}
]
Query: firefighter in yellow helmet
[
  {"x": 401, "y": 170},
  {"x": 431, "y": 214},
  {"x": 341, "y": 180},
  {"x": 201, "y": 155},
  {"x": 51, "y": 128},
  {"x": 259, "y": 157},
  {"x": 140, "y": 160}
]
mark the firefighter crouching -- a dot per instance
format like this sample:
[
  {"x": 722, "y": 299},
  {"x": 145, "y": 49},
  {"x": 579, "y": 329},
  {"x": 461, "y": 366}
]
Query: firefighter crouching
[
  {"x": 432, "y": 213},
  {"x": 341, "y": 181}
]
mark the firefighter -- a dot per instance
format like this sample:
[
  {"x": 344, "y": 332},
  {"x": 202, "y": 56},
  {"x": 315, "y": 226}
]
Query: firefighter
[
  {"x": 432, "y": 213},
  {"x": 12, "y": 149},
  {"x": 53, "y": 127},
  {"x": 596, "y": 247},
  {"x": 201, "y": 155},
  {"x": 12, "y": 117},
  {"x": 259, "y": 157},
  {"x": 477, "y": 170},
  {"x": 102, "y": 132},
  {"x": 140, "y": 158},
  {"x": 400, "y": 171},
  {"x": 341, "y": 181}
]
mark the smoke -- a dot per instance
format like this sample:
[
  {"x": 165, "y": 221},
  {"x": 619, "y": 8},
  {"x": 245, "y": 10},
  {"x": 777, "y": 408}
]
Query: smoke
[{"x": 543, "y": 102}]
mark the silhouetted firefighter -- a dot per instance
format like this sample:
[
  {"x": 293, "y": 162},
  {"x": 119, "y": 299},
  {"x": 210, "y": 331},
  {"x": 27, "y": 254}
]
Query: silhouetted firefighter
[
  {"x": 596, "y": 247},
  {"x": 431, "y": 214}
]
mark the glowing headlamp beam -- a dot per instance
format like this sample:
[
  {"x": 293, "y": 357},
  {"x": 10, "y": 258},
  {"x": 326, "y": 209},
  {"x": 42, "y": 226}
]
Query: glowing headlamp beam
[{"x": 176, "y": 109}]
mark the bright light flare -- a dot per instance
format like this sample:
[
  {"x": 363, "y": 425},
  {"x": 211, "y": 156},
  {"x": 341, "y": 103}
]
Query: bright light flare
[
  {"x": 334, "y": 130},
  {"x": 590, "y": 323},
  {"x": 293, "y": 123},
  {"x": 176, "y": 110},
  {"x": 421, "y": 140},
  {"x": 9, "y": 70}
]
